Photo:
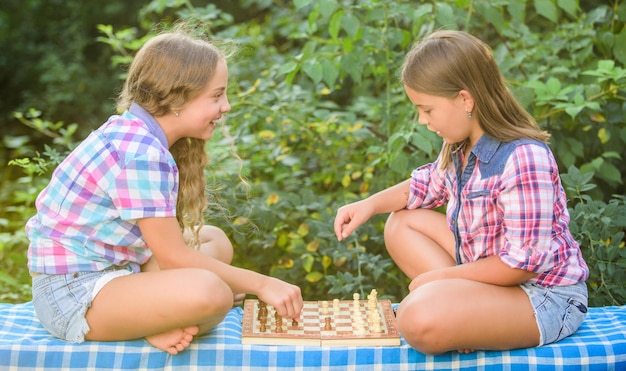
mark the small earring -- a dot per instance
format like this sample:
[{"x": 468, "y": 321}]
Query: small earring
[
  {"x": 176, "y": 113},
  {"x": 469, "y": 115}
]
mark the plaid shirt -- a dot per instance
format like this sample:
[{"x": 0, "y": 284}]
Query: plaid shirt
[
  {"x": 86, "y": 216},
  {"x": 509, "y": 202}
]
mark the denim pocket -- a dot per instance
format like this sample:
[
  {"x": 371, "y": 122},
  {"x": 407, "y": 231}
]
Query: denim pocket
[
  {"x": 575, "y": 314},
  {"x": 61, "y": 301},
  {"x": 46, "y": 307}
]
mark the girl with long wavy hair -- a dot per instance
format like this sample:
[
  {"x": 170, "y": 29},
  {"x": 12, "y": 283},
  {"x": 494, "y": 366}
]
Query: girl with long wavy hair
[{"x": 118, "y": 248}]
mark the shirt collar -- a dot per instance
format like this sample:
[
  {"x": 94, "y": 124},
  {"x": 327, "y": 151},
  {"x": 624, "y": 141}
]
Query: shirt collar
[
  {"x": 151, "y": 122},
  {"x": 485, "y": 148}
]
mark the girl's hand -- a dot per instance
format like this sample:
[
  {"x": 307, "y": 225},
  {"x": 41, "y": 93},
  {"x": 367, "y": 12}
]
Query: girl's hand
[
  {"x": 284, "y": 297},
  {"x": 350, "y": 216}
]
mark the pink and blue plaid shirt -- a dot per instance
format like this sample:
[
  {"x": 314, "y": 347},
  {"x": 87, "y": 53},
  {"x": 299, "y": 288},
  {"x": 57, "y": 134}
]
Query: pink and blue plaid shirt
[
  {"x": 86, "y": 216},
  {"x": 509, "y": 202}
]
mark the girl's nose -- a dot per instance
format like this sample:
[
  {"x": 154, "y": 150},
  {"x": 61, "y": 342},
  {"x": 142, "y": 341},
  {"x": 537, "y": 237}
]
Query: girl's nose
[{"x": 226, "y": 106}]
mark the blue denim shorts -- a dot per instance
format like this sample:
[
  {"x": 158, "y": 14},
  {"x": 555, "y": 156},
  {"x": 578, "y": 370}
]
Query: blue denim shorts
[
  {"x": 559, "y": 310},
  {"x": 61, "y": 300}
]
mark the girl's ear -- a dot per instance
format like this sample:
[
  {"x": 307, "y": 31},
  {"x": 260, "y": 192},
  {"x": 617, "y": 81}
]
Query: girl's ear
[{"x": 468, "y": 100}]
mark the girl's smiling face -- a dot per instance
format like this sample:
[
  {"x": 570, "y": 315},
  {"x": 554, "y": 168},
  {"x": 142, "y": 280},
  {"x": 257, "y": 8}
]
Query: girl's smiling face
[
  {"x": 199, "y": 116},
  {"x": 448, "y": 117}
]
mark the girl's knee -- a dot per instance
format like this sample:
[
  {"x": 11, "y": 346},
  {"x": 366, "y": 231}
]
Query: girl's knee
[
  {"x": 212, "y": 293},
  {"x": 396, "y": 221},
  {"x": 418, "y": 321},
  {"x": 416, "y": 220},
  {"x": 215, "y": 243}
]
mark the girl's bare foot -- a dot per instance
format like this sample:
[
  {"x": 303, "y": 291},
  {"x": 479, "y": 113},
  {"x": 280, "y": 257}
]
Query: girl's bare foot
[
  {"x": 467, "y": 351},
  {"x": 175, "y": 340}
]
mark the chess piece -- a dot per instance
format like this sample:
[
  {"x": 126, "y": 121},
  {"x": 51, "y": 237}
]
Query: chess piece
[
  {"x": 262, "y": 310},
  {"x": 327, "y": 325},
  {"x": 262, "y": 328},
  {"x": 377, "y": 328},
  {"x": 294, "y": 323},
  {"x": 325, "y": 307}
]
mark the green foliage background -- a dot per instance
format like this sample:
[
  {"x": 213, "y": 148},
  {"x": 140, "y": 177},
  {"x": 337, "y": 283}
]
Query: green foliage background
[{"x": 319, "y": 119}]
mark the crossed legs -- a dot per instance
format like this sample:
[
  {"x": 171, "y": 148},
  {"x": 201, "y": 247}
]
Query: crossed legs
[
  {"x": 166, "y": 307},
  {"x": 452, "y": 314}
]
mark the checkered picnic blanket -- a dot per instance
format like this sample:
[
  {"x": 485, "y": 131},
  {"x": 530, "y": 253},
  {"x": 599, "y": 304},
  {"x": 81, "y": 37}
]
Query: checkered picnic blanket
[{"x": 600, "y": 344}]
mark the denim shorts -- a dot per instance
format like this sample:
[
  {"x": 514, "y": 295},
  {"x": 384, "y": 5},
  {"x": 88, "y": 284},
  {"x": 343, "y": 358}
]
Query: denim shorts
[
  {"x": 559, "y": 310},
  {"x": 61, "y": 300}
]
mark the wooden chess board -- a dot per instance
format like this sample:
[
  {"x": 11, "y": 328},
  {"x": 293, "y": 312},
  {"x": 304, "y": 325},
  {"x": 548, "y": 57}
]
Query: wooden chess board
[{"x": 322, "y": 324}]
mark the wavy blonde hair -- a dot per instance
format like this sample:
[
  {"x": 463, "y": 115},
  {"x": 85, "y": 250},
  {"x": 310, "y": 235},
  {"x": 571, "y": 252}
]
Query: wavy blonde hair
[
  {"x": 446, "y": 62},
  {"x": 168, "y": 71}
]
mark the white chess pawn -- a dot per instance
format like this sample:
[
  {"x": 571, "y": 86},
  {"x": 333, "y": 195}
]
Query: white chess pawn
[{"x": 325, "y": 307}]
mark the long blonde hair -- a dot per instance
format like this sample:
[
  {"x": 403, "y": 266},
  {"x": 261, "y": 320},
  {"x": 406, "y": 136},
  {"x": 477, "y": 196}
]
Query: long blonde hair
[
  {"x": 446, "y": 62},
  {"x": 168, "y": 71}
]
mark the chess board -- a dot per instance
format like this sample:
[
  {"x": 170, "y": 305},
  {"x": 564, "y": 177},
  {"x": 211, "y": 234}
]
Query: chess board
[{"x": 322, "y": 324}]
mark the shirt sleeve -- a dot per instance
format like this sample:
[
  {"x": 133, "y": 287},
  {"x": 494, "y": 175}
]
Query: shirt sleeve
[
  {"x": 527, "y": 202},
  {"x": 427, "y": 187},
  {"x": 146, "y": 186}
]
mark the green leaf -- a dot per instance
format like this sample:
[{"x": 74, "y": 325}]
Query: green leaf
[
  {"x": 299, "y": 4},
  {"x": 612, "y": 154},
  {"x": 445, "y": 15},
  {"x": 351, "y": 24},
  {"x": 495, "y": 17},
  {"x": 610, "y": 172},
  {"x": 313, "y": 70},
  {"x": 554, "y": 86},
  {"x": 573, "y": 111},
  {"x": 314, "y": 277},
  {"x": 353, "y": 65},
  {"x": 330, "y": 72},
  {"x": 604, "y": 135},
  {"x": 547, "y": 9},
  {"x": 335, "y": 24},
  {"x": 287, "y": 68},
  {"x": 569, "y": 6},
  {"x": 307, "y": 262},
  {"x": 619, "y": 50},
  {"x": 517, "y": 10},
  {"x": 327, "y": 7}
]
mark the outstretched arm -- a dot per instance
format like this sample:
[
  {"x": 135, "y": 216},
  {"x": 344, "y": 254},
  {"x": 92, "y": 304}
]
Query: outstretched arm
[
  {"x": 165, "y": 239},
  {"x": 350, "y": 216}
]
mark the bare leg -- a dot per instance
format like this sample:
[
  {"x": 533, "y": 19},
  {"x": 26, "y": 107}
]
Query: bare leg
[
  {"x": 166, "y": 307},
  {"x": 199, "y": 294},
  {"x": 419, "y": 241},
  {"x": 465, "y": 315},
  {"x": 448, "y": 315}
]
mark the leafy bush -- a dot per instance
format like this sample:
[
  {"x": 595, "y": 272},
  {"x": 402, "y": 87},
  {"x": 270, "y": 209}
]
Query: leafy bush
[
  {"x": 320, "y": 119},
  {"x": 599, "y": 227}
]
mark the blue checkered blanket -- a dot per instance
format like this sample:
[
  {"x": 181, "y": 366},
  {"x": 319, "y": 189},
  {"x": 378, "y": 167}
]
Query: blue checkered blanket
[{"x": 600, "y": 344}]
